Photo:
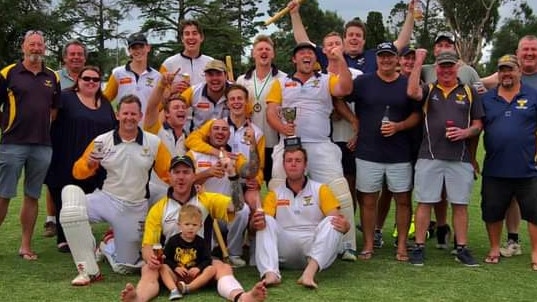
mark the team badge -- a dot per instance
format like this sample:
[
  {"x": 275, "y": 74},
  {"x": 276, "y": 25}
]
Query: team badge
[
  {"x": 434, "y": 97},
  {"x": 257, "y": 107},
  {"x": 459, "y": 98},
  {"x": 145, "y": 151},
  {"x": 149, "y": 82},
  {"x": 306, "y": 200},
  {"x": 48, "y": 83},
  {"x": 521, "y": 104}
]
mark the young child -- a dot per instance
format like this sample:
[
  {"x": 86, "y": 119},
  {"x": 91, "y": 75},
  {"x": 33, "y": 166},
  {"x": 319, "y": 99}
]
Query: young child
[{"x": 187, "y": 265}]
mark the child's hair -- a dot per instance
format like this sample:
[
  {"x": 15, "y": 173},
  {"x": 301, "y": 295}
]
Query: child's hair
[{"x": 190, "y": 211}]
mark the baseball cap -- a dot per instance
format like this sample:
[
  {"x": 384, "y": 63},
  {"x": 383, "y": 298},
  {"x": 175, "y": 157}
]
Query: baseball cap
[
  {"x": 407, "y": 50},
  {"x": 303, "y": 45},
  {"x": 445, "y": 35},
  {"x": 508, "y": 60},
  {"x": 386, "y": 47},
  {"x": 447, "y": 57},
  {"x": 182, "y": 159},
  {"x": 215, "y": 65},
  {"x": 136, "y": 38}
]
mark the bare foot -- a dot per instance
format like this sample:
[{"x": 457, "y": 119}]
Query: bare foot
[
  {"x": 271, "y": 279},
  {"x": 128, "y": 294},
  {"x": 258, "y": 293},
  {"x": 307, "y": 282}
]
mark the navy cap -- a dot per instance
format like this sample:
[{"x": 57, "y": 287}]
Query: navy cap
[
  {"x": 303, "y": 45},
  {"x": 407, "y": 50},
  {"x": 182, "y": 159},
  {"x": 136, "y": 38},
  {"x": 388, "y": 47}
]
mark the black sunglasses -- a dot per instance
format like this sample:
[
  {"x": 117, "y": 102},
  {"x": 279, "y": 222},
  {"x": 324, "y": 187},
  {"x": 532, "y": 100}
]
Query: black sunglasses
[{"x": 93, "y": 79}]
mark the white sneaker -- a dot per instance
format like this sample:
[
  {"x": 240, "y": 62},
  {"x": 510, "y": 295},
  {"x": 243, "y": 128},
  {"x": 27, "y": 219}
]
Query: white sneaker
[
  {"x": 127, "y": 268},
  {"x": 236, "y": 261},
  {"x": 99, "y": 256},
  {"x": 84, "y": 279},
  {"x": 510, "y": 249},
  {"x": 348, "y": 255}
]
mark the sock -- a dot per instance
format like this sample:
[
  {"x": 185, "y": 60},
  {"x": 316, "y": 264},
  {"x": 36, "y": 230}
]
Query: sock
[
  {"x": 51, "y": 219},
  {"x": 513, "y": 237},
  {"x": 460, "y": 246}
]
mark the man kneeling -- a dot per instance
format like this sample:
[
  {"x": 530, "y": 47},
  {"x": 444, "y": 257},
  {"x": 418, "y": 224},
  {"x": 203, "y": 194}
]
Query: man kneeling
[{"x": 299, "y": 225}]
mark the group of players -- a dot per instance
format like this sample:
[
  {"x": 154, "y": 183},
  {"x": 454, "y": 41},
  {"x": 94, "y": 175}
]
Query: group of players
[{"x": 375, "y": 120}]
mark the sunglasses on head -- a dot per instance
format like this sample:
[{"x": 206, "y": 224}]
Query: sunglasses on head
[{"x": 93, "y": 79}]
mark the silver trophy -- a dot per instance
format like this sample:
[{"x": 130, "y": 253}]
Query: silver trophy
[{"x": 289, "y": 114}]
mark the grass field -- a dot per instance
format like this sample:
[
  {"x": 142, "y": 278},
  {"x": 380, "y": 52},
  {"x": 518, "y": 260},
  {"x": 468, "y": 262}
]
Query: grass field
[{"x": 380, "y": 279}]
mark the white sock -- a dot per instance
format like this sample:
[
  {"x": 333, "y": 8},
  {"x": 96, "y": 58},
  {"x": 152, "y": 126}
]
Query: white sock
[{"x": 51, "y": 219}]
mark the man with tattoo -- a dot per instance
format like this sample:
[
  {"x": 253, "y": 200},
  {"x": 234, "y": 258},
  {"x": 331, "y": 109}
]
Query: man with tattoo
[{"x": 216, "y": 173}]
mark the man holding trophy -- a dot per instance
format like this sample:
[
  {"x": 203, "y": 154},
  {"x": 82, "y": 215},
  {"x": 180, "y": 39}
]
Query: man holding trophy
[{"x": 299, "y": 108}]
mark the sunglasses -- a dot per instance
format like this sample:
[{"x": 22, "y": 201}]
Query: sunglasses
[{"x": 93, "y": 79}]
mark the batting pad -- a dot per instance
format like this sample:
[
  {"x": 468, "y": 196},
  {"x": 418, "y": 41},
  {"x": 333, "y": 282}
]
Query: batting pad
[
  {"x": 340, "y": 188},
  {"x": 75, "y": 223}
]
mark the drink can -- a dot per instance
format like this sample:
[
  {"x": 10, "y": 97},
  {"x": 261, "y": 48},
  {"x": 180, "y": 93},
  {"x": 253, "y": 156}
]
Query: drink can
[
  {"x": 158, "y": 251},
  {"x": 185, "y": 77}
]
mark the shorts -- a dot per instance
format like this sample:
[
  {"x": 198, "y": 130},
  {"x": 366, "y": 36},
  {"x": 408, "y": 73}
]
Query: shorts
[
  {"x": 370, "y": 176},
  {"x": 497, "y": 193},
  {"x": 432, "y": 174},
  {"x": 347, "y": 159},
  {"x": 35, "y": 160}
]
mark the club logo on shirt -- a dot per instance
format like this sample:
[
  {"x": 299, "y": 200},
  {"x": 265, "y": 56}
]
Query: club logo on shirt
[
  {"x": 460, "y": 98},
  {"x": 434, "y": 97},
  {"x": 204, "y": 164},
  {"x": 315, "y": 83},
  {"x": 145, "y": 151},
  {"x": 306, "y": 200},
  {"x": 149, "y": 82},
  {"x": 203, "y": 106},
  {"x": 48, "y": 83},
  {"x": 521, "y": 104}
]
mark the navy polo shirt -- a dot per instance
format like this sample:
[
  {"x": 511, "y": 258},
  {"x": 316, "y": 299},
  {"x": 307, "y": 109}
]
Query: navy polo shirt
[
  {"x": 371, "y": 95},
  {"x": 510, "y": 134},
  {"x": 366, "y": 62}
]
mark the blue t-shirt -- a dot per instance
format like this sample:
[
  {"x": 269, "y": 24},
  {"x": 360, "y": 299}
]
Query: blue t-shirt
[
  {"x": 510, "y": 134},
  {"x": 371, "y": 96},
  {"x": 366, "y": 62}
]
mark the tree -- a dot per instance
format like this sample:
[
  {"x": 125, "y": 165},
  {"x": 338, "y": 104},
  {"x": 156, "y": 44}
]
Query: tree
[
  {"x": 96, "y": 22},
  {"x": 523, "y": 22},
  {"x": 473, "y": 23},
  {"x": 17, "y": 17},
  {"x": 376, "y": 33}
]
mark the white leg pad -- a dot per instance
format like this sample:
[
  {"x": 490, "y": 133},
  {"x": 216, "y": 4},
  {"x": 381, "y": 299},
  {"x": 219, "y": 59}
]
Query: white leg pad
[
  {"x": 75, "y": 223},
  {"x": 340, "y": 188}
]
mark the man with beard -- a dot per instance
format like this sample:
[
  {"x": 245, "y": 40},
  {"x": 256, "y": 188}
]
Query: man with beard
[
  {"x": 211, "y": 172},
  {"x": 353, "y": 40},
  {"x": 208, "y": 99},
  {"x": 29, "y": 96},
  {"x": 510, "y": 125},
  {"x": 527, "y": 58}
]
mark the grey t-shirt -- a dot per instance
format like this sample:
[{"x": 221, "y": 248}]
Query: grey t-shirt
[
  {"x": 530, "y": 80},
  {"x": 466, "y": 74}
]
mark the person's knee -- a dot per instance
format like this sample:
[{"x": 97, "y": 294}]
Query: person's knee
[{"x": 73, "y": 205}]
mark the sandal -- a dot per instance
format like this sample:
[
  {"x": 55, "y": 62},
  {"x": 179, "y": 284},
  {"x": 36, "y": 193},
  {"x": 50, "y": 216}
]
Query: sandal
[
  {"x": 402, "y": 257},
  {"x": 534, "y": 266},
  {"x": 492, "y": 259},
  {"x": 365, "y": 255},
  {"x": 28, "y": 256}
]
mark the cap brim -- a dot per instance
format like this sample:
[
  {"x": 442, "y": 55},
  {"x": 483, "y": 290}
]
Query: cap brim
[
  {"x": 512, "y": 65},
  {"x": 386, "y": 51},
  {"x": 217, "y": 69},
  {"x": 444, "y": 38},
  {"x": 446, "y": 62},
  {"x": 137, "y": 43}
]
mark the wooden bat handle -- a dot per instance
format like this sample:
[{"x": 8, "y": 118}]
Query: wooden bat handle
[
  {"x": 229, "y": 65},
  {"x": 280, "y": 14},
  {"x": 220, "y": 240}
]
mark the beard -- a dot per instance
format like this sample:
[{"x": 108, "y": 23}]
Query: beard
[{"x": 35, "y": 58}]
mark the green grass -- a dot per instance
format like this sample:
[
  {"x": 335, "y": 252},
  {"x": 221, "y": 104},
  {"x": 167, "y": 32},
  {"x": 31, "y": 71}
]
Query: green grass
[{"x": 380, "y": 279}]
